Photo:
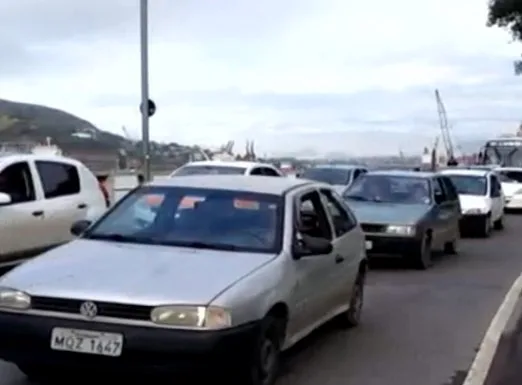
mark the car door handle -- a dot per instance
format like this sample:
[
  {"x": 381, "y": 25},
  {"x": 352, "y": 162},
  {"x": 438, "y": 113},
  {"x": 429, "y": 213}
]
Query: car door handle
[
  {"x": 38, "y": 213},
  {"x": 339, "y": 258},
  {"x": 82, "y": 206}
]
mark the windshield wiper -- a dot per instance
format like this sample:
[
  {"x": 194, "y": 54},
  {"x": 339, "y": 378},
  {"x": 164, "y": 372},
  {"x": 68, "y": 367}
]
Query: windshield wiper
[
  {"x": 210, "y": 246},
  {"x": 357, "y": 198},
  {"x": 115, "y": 237}
]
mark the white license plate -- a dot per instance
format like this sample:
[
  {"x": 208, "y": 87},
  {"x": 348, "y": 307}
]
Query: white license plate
[
  {"x": 369, "y": 245},
  {"x": 87, "y": 342}
]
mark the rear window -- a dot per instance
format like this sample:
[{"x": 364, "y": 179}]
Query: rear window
[
  {"x": 332, "y": 176},
  {"x": 202, "y": 218},
  {"x": 209, "y": 170}
]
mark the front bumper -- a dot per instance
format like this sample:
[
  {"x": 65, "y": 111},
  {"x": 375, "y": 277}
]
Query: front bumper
[
  {"x": 382, "y": 245},
  {"x": 473, "y": 222},
  {"x": 25, "y": 339}
]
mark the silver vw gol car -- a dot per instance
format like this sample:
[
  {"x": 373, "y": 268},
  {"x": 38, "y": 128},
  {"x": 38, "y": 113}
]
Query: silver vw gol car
[{"x": 219, "y": 272}]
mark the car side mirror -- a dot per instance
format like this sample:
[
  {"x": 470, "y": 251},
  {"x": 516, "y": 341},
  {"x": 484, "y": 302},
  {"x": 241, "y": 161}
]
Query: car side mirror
[
  {"x": 311, "y": 246},
  {"x": 79, "y": 227},
  {"x": 439, "y": 198},
  {"x": 5, "y": 199}
]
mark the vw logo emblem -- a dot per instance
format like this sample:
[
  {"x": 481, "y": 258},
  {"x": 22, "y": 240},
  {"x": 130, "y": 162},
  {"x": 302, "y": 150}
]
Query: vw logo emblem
[{"x": 89, "y": 309}]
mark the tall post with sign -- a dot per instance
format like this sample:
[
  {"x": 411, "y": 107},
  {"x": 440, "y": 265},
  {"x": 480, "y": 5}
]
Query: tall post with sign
[{"x": 144, "y": 50}]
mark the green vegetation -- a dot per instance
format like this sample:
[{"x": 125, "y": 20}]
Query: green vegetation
[{"x": 506, "y": 14}]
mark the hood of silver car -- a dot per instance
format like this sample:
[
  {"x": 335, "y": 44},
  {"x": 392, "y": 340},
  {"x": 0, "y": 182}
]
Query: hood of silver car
[{"x": 131, "y": 273}]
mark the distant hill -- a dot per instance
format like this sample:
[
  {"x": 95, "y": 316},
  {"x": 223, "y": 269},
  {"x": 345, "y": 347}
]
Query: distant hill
[
  {"x": 31, "y": 122},
  {"x": 23, "y": 122}
]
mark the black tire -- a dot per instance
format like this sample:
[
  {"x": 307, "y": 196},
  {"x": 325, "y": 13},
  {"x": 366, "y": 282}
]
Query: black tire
[
  {"x": 485, "y": 231},
  {"x": 423, "y": 258},
  {"x": 451, "y": 248},
  {"x": 352, "y": 317},
  {"x": 263, "y": 366},
  {"x": 499, "y": 223}
]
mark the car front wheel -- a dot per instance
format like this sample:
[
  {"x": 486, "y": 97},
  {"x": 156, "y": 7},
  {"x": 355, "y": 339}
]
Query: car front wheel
[
  {"x": 352, "y": 317},
  {"x": 263, "y": 365}
]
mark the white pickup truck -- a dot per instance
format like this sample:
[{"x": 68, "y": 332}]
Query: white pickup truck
[{"x": 41, "y": 196}]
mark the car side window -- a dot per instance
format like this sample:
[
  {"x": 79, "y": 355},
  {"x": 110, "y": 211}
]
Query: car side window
[
  {"x": 269, "y": 172},
  {"x": 17, "y": 182},
  {"x": 58, "y": 179},
  {"x": 256, "y": 171},
  {"x": 342, "y": 220},
  {"x": 311, "y": 218},
  {"x": 438, "y": 190},
  {"x": 450, "y": 189},
  {"x": 494, "y": 187}
]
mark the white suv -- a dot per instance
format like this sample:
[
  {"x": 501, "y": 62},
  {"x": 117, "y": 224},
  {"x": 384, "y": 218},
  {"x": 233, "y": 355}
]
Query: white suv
[
  {"x": 481, "y": 199},
  {"x": 41, "y": 196}
]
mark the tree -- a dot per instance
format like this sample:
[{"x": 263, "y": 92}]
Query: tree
[{"x": 506, "y": 14}]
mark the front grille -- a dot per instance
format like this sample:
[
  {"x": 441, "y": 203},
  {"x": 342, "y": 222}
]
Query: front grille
[
  {"x": 105, "y": 309},
  {"x": 373, "y": 228}
]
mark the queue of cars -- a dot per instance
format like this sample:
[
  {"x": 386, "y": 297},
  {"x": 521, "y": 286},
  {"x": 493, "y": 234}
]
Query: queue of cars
[{"x": 208, "y": 271}]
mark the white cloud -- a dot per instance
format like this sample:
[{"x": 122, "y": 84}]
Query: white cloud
[{"x": 290, "y": 74}]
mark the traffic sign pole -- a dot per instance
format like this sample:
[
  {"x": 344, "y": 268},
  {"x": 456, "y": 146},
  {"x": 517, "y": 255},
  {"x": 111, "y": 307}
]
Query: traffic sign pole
[{"x": 144, "y": 48}]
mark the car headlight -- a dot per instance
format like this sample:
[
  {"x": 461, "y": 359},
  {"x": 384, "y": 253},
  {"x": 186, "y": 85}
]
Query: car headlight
[
  {"x": 400, "y": 230},
  {"x": 14, "y": 299},
  {"x": 204, "y": 317},
  {"x": 518, "y": 192},
  {"x": 475, "y": 211}
]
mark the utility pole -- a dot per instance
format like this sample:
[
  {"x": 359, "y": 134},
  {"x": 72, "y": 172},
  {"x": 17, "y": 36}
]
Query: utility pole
[{"x": 144, "y": 50}]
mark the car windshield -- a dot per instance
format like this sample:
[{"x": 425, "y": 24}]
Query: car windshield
[
  {"x": 510, "y": 176},
  {"x": 469, "y": 184},
  {"x": 200, "y": 218},
  {"x": 328, "y": 175},
  {"x": 209, "y": 170},
  {"x": 390, "y": 189}
]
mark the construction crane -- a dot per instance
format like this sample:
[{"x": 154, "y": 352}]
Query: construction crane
[{"x": 445, "y": 129}]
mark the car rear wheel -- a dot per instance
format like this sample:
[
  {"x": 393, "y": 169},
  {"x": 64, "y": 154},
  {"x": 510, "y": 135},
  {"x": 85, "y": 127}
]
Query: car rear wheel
[
  {"x": 499, "y": 223},
  {"x": 263, "y": 366},
  {"x": 422, "y": 258},
  {"x": 451, "y": 248},
  {"x": 352, "y": 317},
  {"x": 485, "y": 232}
]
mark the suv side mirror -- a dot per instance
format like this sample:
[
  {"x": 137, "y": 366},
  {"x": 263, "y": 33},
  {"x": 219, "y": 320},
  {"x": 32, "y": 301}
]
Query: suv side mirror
[
  {"x": 311, "y": 246},
  {"x": 79, "y": 227},
  {"x": 5, "y": 199},
  {"x": 439, "y": 198}
]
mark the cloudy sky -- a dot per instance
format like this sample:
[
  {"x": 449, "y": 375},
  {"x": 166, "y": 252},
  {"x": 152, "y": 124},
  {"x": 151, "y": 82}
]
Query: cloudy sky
[{"x": 294, "y": 75}]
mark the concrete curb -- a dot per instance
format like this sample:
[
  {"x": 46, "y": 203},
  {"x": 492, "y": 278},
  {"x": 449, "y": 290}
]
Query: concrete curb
[{"x": 483, "y": 361}]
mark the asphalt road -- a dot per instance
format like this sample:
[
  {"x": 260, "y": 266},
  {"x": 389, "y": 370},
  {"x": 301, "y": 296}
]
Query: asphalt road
[{"x": 418, "y": 328}]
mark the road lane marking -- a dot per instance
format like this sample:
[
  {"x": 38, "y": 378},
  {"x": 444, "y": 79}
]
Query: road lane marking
[{"x": 479, "y": 369}]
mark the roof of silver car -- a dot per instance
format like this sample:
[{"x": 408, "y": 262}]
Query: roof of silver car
[{"x": 259, "y": 184}]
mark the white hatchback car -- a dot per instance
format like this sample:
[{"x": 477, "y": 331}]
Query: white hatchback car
[
  {"x": 41, "y": 196},
  {"x": 511, "y": 180},
  {"x": 481, "y": 199},
  {"x": 218, "y": 167}
]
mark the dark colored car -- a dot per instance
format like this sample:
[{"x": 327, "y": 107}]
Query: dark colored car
[{"x": 406, "y": 213}]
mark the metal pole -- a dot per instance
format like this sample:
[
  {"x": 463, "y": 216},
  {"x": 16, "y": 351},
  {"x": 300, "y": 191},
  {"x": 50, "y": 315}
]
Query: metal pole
[{"x": 144, "y": 48}]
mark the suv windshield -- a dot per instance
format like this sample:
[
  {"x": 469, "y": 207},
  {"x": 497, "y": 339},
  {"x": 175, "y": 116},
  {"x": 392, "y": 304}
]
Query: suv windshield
[
  {"x": 209, "y": 170},
  {"x": 332, "y": 175},
  {"x": 469, "y": 184},
  {"x": 201, "y": 218},
  {"x": 390, "y": 189}
]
